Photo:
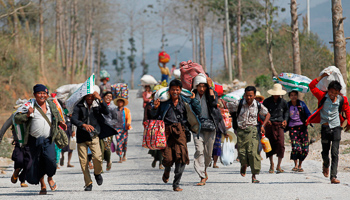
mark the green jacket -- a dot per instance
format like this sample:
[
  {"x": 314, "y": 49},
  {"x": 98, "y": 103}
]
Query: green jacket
[{"x": 21, "y": 118}]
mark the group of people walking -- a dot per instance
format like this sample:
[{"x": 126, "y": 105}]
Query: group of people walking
[
  {"x": 256, "y": 117},
  {"x": 102, "y": 122}
]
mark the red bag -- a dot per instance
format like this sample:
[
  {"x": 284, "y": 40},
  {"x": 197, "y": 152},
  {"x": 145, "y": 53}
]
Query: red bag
[
  {"x": 219, "y": 89},
  {"x": 154, "y": 135},
  {"x": 189, "y": 71},
  {"x": 226, "y": 115},
  {"x": 163, "y": 57}
]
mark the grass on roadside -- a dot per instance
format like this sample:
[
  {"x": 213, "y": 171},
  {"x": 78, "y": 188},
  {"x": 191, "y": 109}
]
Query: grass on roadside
[{"x": 6, "y": 148}]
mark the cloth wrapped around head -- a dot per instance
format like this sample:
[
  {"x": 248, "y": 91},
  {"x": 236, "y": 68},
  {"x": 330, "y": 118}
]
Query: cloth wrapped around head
[{"x": 200, "y": 78}]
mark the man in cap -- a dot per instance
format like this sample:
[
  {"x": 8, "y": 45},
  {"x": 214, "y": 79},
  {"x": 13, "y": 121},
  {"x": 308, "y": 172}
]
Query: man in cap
[
  {"x": 87, "y": 116},
  {"x": 42, "y": 121},
  {"x": 211, "y": 122},
  {"x": 279, "y": 112}
]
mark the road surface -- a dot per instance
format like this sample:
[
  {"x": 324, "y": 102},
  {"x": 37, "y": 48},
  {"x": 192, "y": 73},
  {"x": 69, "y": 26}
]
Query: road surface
[{"x": 136, "y": 179}]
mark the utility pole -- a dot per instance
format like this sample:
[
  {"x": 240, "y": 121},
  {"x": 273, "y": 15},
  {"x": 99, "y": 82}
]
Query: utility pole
[
  {"x": 308, "y": 17},
  {"x": 228, "y": 36}
]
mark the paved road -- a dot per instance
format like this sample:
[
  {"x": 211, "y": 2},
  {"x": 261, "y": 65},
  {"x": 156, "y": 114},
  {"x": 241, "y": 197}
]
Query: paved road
[{"x": 135, "y": 179}]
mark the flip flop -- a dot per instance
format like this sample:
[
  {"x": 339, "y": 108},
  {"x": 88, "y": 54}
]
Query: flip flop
[
  {"x": 43, "y": 192},
  {"x": 295, "y": 169},
  {"x": 255, "y": 181},
  {"x": 70, "y": 165},
  {"x": 53, "y": 187},
  {"x": 215, "y": 166},
  {"x": 24, "y": 185},
  {"x": 165, "y": 179},
  {"x": 109, "y": 166},
  {"x": 14, "y": 179},
  {"x": 243, "y": 172},
  {"x": 201, "y": 184},
  {"x": 279, "y": 171},
  {"x": 177, "y": 189},
  {"x": 301, "y": 170},
  {"x": 271, "y": 171}
]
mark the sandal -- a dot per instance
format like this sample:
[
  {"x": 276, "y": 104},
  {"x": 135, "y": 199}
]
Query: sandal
[
  {"x": 177, "y": 189},
  {"x": 255, "y": 181},
  {"x": 24, "y": 185},
  {"x": 70, "y": 165},
  {"x": 301, "y": 170},
  {"x": 43, "y": 192},
  {"x": 165, "y": 177},
  {"x": 161, "y": 167},
  {"x": 14, "y": 179},
  {"x": 279, "y": 171},
  {"x": 215, "y": 166},
  {"x": 271, "y": 171},
  {"x": 295, "y": 169},
  {"x": 109, "y": 166},
  {"x": 243, "y": 171},
  {"x": 53, "y": 187},
  {"x": 201, "y": 183},
  {"x": 124, "y": 159}
]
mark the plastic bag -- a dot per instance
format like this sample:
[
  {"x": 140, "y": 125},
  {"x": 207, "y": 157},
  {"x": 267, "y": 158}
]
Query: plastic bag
[
  {"x": 294, "y": 82},
  {"x": 148, "y": 80},
  {"x": 334, "y": 75},
  {"x": 86, "y": 88},
  {"x": 227, "y": 153},
  {"x": 236, "y": 95},
  {"x": 73, "y": 143},
  {"x": 163, "y": 94}
]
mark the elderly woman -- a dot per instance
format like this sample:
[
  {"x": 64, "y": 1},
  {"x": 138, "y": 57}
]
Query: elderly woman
[{"x": 298, "y": 114}]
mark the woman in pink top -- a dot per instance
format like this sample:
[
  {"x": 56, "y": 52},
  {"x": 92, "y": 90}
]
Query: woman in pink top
[{"x": 146, "y": 95}]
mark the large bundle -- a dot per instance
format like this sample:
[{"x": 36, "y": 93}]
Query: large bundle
[
  {"x": 120, "y": 90},
  {"x": 189, "y": 71},
  {"x": 64, "y": 91},
  {"x": 163, "y": 57},
  {"x": 334, "y": 75},
  {"x": 148, "y": 80},
  {"x": 218, "y": 88},
  {"x": 236, "y": 95},
  {"x": 294, "y": 82},
  {"x": 163, "y": 94},
  {"x": 177, "y": 73},
  {"x": 104, "y": 74},
  {"x": 86, "y": 88}
]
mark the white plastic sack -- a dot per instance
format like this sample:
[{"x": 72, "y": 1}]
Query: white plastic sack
[
  {"x": 86, "y": 88},
  {"x": 334, "y": 75},
  {"x": 64, "y": 92},
  {"x": 294, "y": 82},
  {"x": 177, "y": 73},
  {"x": 148, "y": 80},
  {"x": 73, "y": 143},
  {"x": 163, "y": 94},
  {"x": 227, "y": 152},
  {"x": 236, "y": 95},
  {"x": 200, "y": 78}
]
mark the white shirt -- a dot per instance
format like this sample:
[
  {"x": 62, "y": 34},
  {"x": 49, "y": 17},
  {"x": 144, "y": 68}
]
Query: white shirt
[
  {"x": 39, "y": 126},
  {"x": 203, "y": 101}
]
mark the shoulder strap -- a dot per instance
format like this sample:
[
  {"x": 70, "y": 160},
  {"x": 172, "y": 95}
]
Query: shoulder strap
[
  {"x": 322, "y": 102},
  {"x": 239, "y": 107},
  {"x": 43, "y": 114},
  {"x": 259, "y": 106},
  {"x": 341, "y": 103}
]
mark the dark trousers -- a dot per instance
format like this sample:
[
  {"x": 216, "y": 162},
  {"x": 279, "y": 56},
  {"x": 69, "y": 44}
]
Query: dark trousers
[
  {"x": 22, "y": 159},
  {"x": 179, "y": 169},
  {"x": 44, "y": 159},
  {"x": 330, "y": 141}
]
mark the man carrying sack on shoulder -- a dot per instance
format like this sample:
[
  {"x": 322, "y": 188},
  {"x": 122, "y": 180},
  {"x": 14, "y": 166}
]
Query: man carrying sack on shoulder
[
  {"x": 42, "y": 123},
  {"x": 330, "y": 106},
  {"x": 87, "y": 116},
  {"x": 211, "y": 122}
]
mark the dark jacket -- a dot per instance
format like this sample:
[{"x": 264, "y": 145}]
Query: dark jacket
[
  {"x": 165, "y": 106},
  {"x": 214, "y": 111},
  {"x": 80, "y": 117},
  {"x": 21, "y": 118},
  {"x": 279, "y": 111}
]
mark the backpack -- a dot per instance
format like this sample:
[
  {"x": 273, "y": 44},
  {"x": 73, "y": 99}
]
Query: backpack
[{"x": 234, "y": 115}]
